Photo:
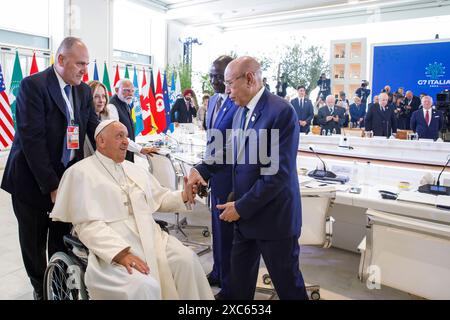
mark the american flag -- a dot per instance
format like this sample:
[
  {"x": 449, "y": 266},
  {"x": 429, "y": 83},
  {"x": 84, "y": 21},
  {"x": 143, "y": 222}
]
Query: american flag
[{"x": 6, "y": 121}]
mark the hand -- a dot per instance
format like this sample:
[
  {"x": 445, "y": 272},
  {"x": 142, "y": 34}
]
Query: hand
[
  {"x": 329, "y": 118},
  {"x": 302, "y": 123},
  {"x": 189, "y": 191},
  {"x": 229, "y": 213},
  {"x": 53, "y": 195},
  {"x": 195, "y": 178},
  {"x": 149, "y": 150},
  {"x": 130, "y": 261},
  {"x": 336, "y": 118}
]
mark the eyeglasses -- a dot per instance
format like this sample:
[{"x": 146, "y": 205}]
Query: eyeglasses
[
  {"x": 128, "y": 90},
  {"x": 228, "y": 83}
]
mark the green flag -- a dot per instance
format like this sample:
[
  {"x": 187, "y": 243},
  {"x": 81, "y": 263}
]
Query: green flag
[
  {"x": 127, "y": 76},
  {"x": 106, "y": 80},
  {"x": 17, "y": 76}
]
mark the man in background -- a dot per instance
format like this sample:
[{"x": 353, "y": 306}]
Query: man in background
[
  {"x": 304, "y": 109},
  {"x": 427, "y": 122},
  {"x": 183, "y": 109},
  {"x": 380, "y": 118},
  {"x": 331, "y": 117}
]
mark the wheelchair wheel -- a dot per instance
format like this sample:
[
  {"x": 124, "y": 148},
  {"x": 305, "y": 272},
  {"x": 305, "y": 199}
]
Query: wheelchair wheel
[{"x": 64, "y": 279}]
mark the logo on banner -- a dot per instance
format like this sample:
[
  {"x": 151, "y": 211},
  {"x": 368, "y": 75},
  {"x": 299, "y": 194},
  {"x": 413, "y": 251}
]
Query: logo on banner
[{"x": 435, "y": 73}]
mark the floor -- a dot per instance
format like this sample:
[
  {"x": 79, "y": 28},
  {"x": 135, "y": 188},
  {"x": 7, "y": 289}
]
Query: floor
[{"x": 334, "y": 269}]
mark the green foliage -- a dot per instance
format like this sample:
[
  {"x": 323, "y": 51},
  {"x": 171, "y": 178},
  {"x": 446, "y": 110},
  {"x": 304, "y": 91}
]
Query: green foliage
[
  {"x": 302, "y": 66},
  {"x": 206, "y": 84},
  {"x": 184, "y": 72}
]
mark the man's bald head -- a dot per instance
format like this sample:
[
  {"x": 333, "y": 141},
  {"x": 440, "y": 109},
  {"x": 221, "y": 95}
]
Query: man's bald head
[
  {"x": 243, "y": 79},
  {"x": 112, "y": 141},
  {"x": 72, "y": 60}
]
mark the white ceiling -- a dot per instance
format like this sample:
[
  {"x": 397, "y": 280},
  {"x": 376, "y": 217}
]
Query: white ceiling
[{"x": 235, "y": 14}]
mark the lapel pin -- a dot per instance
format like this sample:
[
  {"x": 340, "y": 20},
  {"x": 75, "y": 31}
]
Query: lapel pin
[{"x": 253, "y": 118}]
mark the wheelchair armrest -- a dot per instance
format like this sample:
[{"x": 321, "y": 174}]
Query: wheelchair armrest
[
  {"x": 73, "y": 242},
  {"x": 163, "y": 225}
]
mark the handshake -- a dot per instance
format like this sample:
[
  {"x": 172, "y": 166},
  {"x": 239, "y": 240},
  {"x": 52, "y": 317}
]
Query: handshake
[{"x": 194, "y": 185}]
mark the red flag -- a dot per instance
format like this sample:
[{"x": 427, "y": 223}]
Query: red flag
[
  {"x": 148, "y": 107},
  {"x": 116, "y": 76},
  {"x": 158, "y": 110},
  {"x": 86, "y": 76},
  {"x": 34, "y": 68}
]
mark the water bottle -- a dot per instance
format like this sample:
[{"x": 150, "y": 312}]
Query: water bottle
[
  {"x": 334, "y": 131},
  {"x": 324, "y": 132},
  {"x": 368, "y": 174}
]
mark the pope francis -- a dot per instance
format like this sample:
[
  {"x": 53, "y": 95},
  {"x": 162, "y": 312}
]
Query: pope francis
[{"x": 110, "y": 203}]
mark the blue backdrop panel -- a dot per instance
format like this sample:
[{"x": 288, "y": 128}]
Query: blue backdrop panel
[{"x": 423, "y": 67}]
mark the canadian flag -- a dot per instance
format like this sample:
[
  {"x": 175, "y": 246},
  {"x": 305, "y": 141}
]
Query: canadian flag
[{"x": 158, "y": 110}]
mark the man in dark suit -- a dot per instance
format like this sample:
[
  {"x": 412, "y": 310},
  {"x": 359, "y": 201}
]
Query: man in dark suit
[
  {"x": 304, "y": 109},
  {"x": 357, "y": 113},
  {"x": 52, "y": 106},
  {"x": 183, "y": 109},
  {"x": 427, "y": 122},
  {"x": 410, "y": 105},
  {"x": 219, "y": 118},
  {"x": 265, "y": 203},
  {"x": 331, "y": 117},
  {"x": 380, "y": 118},
  {"x": 123, "y": 102},
  {"x": 363, "y": 92}
]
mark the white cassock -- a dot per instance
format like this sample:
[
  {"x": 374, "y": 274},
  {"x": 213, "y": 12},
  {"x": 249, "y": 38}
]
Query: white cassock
[{"x": 91, "y": 196}]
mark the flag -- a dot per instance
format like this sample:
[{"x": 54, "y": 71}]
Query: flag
[
  {"x": 148, "y": 105},
  {"x": 152, "y": 83},
  {"x": 127, "y": 76},
  {"x": 158, "y": 110},
  {"x": 172, "y": 98},
  {"x": 6, "y": 120},
  {"x": 106, "y": 80},
  {"x": 34, "y": 68},
  {"x": 136, "y": 112},
  {"x": 166, "y": 105},
  {"x": 116, "y": 76},
  {"x": 96, "y": 71},
  {"x": 17, "y": 76},
  {"x": 86, "y": 76}
]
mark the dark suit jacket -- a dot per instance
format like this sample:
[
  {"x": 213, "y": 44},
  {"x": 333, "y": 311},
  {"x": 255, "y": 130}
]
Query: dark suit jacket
[
  {"x": 34, "y": 166},
  {"x": 221, "y": 182},
  {"x": 424, "y": 131},
  {"x": 305, "y": 113},
  {"x": 179, "y": 112},
  {"x": 381, "y": 123},
  {"x": 415, "y": 103},
  {"x": 269, "y": 205},
  {"x": 357, "y": 112},
  {"x": 125, "y": 118},
  {"x": 328, "y": 126}
]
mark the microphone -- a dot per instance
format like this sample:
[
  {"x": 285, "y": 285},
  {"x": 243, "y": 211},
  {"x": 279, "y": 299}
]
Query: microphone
[
  {"x": 436, "y": 188},
  {"x": 320, "y": 174}
]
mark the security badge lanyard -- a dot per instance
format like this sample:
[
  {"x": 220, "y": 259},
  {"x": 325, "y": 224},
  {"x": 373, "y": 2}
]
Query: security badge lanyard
[{"x": 73, "y": 136}]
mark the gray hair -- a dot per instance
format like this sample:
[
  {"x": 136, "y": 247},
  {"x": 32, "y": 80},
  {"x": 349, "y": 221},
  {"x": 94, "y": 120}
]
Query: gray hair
[
  {"x": 121, "y": 82},
  {"x": 67, "y": 44}
]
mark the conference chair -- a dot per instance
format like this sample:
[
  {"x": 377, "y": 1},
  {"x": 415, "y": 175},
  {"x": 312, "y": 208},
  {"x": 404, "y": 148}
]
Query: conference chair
[
  {"x": 407, "y": 254},
  {"x": 317, "y": 230},
  {"x": 170, "y": 173}
]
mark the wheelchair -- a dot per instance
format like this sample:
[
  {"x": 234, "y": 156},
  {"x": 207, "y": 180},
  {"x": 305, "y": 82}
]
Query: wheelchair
[{"x": 64, "y": 276}]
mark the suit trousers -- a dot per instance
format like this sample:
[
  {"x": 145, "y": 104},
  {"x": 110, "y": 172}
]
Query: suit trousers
[
  {"x": 35, "y": 227},
  {"x": 222, "y": 242},
  {"x": 281, "y": 257}
]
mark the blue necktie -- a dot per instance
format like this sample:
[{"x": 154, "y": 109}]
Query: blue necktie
[
  {"x": 244, "y": 117},
  {"x": 66, "y": 152}
]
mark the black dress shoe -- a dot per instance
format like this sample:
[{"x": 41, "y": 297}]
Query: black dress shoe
[{"x": 213, "y": 281}]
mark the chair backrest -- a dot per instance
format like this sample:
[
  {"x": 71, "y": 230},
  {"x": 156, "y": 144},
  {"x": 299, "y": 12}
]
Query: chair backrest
[
  {"x": 165, "y": 171},
  {"x": 316, "y": 223}
]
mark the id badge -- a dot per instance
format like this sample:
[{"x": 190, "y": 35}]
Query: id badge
[{"x": 73, "y": 137}]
